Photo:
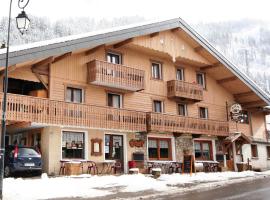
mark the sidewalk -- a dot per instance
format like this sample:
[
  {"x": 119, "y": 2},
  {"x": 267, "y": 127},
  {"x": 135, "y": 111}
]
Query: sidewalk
[{"x": 87, "y": 186}]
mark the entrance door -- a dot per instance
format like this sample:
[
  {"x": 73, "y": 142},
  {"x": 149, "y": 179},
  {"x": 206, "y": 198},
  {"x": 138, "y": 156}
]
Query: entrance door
[{"x": 114, "y": 148}]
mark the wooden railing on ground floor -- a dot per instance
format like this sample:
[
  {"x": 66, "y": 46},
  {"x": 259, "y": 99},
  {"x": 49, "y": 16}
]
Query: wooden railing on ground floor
[
  {"x": 40, "y": 110},
  {"x": 173, "y": 123}
]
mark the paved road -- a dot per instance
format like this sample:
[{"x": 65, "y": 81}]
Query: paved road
[
  {"x": 254, "y": 189},
  {"x": 251, "y": 190}
]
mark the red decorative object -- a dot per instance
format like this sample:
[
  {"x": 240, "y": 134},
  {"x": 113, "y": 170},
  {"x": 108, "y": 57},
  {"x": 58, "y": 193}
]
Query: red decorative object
[{"x": 136, "y": 143}]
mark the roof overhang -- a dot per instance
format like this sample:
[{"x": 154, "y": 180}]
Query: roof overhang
[{"x": 238, "y": 136}]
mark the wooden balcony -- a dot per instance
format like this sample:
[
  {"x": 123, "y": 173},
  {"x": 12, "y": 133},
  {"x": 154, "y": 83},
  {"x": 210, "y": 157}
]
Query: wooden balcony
[
  {"x": 183, "y": 90},
  {"x": 174, "y": 123},
  {"x": 115, "y": 76},
  {"x": 44, "y": 111}
]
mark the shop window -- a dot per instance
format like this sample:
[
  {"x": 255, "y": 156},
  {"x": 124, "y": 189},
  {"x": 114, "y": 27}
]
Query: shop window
[
  {"x": 182, "y": 109},
  {"x": 203, "y": 150},
  {"x": 159, "y": 149},
  {"x": 254, "y": 151},
  {"x": 74, "y": 95},
  {"x": 201, "y": 79},
  {"x": 157, "y": 71},
  {"x": 114, "y": 100},
  {"x": 203, "y": 112},
  {"x": 268, "y": 152},
  {"x": 158, "y": 106},
  {"x": 114, "y": 58},
  {"x": 73, "y": 144},
  {"x": 180, "y": 74}
]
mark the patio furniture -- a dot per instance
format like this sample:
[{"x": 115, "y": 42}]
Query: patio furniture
[
  {"x": 107, "y": 166},
  {"x": 92, "y": 166},
  {"x": 117, "y": 167},
  {"x": 73, "y": 167},
  {"x": 62, "y": 170}
]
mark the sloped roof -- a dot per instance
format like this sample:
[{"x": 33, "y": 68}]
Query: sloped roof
[{"x": 90, "y": 40}]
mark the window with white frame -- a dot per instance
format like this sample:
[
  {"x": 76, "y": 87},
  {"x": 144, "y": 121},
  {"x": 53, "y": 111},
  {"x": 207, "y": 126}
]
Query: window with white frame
[
  {"x": 156, "y": 70},
  {"x": 114, "y": 100},
  {"x": 180, "y": 74},
  {"x": 114, "y": 58},
  {"x": 203, "y": 112},
  {"x": 158, "y": 106},
  {"x": 200, "y": 76},
  {"x": 182, "y": 109},
  {"x": 73, "y": 145},
  {"x": 74, "y": 95}
]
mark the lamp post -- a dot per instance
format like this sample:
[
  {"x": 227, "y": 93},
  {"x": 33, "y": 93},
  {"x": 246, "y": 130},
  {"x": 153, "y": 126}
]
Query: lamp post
[{"x": 22, "y": 24}]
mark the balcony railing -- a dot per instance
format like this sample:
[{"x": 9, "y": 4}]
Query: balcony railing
[
  {"x": 45, "y": 111},
  {"x": 173, "y": 123},
  {"x": 181, "y": 89},
  {"x": 115, "y": 76}
]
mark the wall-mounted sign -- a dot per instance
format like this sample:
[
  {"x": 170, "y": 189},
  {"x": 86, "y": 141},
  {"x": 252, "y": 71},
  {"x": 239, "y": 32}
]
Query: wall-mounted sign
[
  {"x": 136, "y": 143},
  {"x": 96, "y": 149}
]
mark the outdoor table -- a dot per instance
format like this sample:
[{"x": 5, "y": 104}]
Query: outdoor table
[
  {"x": 64, "y": 162},
  {"x": 72, "y": 167}
]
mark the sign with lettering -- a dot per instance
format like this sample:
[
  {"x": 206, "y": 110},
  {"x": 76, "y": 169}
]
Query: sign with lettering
[{"x": 136, "y": 143}]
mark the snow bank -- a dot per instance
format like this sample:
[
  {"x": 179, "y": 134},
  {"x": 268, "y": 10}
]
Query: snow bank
[{"x": 97, "y": 186}]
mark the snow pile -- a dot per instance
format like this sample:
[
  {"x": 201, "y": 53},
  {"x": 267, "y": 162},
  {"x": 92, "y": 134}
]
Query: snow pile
[{"x": 87, "y": 186}]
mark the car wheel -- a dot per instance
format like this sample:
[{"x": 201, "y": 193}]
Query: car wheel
[{"x": 7, "y": 172}]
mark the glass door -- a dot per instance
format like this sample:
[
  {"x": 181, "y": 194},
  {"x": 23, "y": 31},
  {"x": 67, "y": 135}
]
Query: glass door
[{"x": 114, "y": 148}]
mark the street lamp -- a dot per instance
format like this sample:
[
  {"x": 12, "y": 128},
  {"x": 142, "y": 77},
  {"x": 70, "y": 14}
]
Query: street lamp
[{"x": 22, "y": 24}]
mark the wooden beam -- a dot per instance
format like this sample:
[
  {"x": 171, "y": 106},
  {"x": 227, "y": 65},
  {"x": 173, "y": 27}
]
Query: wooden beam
[
  {"x": 10, "y": 69},
  {"x": 175, "y": 29},
  {"x": 225, "y": 80},
  {"x": 57, "y": 59},
  {"x": 154, "y": 34},
  {"x": 252, "y": 104},
  {"x": 120, "y": 44},
  {"x": 43, "y": 62},
  {"x": 42, "y": 80},
  {"x": 90, "y": 51},
  {"x": 198, "y": 48},
  {"x": 212, "y": 66},
  {"x": 243, "y": 94},
  {"x": 40, "y": 71}
]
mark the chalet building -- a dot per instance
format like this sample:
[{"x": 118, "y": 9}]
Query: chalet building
[{"x": 148, "y": 92}]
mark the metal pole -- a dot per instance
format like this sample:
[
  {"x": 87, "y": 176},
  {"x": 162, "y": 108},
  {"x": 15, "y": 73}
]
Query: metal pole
[{"x": 4, "y": 108}]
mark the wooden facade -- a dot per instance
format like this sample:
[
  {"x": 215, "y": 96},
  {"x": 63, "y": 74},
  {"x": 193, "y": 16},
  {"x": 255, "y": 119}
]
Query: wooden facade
[{"x": 133, "y": 80}]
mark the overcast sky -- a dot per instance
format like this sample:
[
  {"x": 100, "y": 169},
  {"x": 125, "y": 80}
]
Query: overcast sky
[{"x": 190, "y": 10}]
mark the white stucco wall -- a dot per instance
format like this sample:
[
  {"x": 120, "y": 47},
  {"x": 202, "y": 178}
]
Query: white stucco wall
[{"x": 261, "y": 162}]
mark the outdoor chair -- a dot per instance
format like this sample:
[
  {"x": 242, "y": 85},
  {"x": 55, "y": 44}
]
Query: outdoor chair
[{"x": 92, "y": 166}]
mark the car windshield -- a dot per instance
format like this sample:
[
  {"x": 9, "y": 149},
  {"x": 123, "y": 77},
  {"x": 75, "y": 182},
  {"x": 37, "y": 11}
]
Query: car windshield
[{"x": 27, "y": 152}]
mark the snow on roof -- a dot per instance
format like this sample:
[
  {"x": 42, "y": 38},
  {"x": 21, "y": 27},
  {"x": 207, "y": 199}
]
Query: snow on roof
[{"x": 79, "y": 36}]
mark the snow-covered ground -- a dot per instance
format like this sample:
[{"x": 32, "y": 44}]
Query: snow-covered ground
[{"x": 97, "y": 186}]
